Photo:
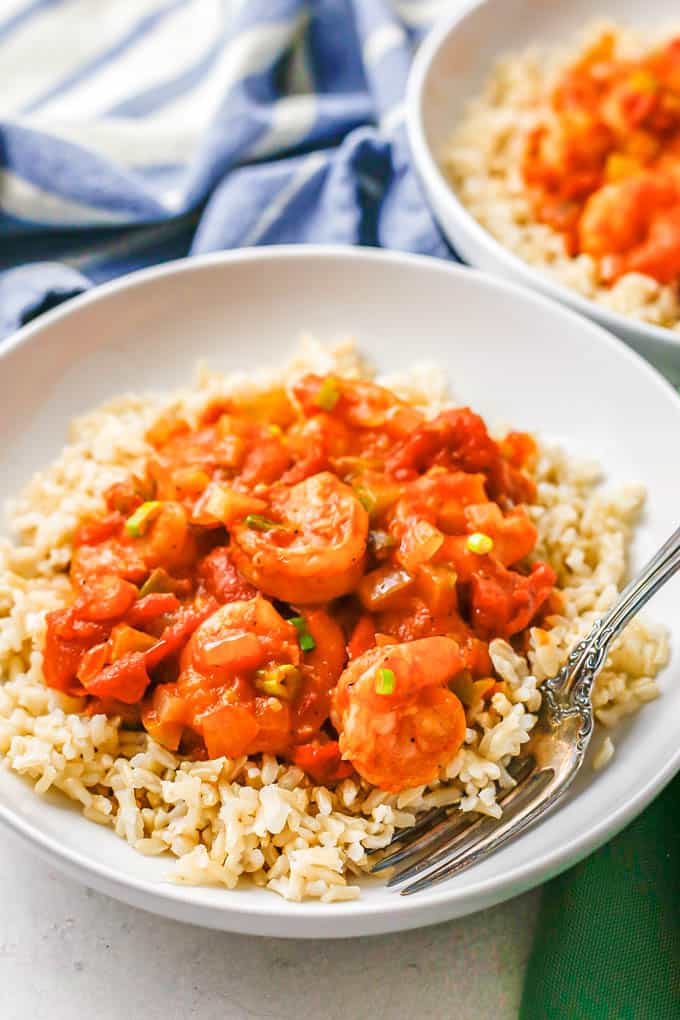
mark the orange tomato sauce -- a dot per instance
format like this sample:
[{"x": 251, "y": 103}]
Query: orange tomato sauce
[
  {"x": 604, "y": 168},
  {"x": 234, "y": 598}
]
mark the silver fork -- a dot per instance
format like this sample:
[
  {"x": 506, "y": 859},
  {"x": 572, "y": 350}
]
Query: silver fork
[{"x": 440, "y": 846}]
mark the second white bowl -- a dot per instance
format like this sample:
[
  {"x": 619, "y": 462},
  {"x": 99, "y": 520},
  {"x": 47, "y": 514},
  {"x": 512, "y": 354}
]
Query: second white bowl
[{"x": 450, "y": 69}]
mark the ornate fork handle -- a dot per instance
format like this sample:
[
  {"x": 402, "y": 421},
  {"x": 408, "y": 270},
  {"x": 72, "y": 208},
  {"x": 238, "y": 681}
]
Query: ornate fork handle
[{"x": 569, "y": 692}]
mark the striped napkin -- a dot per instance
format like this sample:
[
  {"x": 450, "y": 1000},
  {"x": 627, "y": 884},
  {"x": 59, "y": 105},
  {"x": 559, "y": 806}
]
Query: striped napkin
[{"x": 137, "y": 131}]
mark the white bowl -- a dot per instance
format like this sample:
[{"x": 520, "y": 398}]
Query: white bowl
[
  {"x": 450, "y": 69},
  {"x": 514, "y": 356}
]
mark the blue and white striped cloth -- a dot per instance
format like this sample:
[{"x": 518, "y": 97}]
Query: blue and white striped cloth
[{"x": 137, "y": 131}]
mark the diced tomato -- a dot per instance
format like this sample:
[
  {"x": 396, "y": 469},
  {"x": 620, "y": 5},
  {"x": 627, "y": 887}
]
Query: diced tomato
[
  {"x": 178, "y": 632},
  {"x": 513, "y": 534},
  {"x": 92, "y": 662},
  {"x": 363, "y": 637},
  {"x": 151, "y": 606},
  {"x": 322, "y": 762},
  {"x": 229, "y": 730},
  {"x": 66, "y": 625},
  {"x": 459, "y": 438},
  {"x": 165, "y": 715},
  {"x": 61, "y": 662},
  {"x": 273, "y": 719},
  {"x": 67, "y": 640},
  {"x": 96, "y": 530},
  {"x": 321, "y": 668},
  {"x": 111, "y": 557},
  {"x": 125, "y": 680},
  {"x": 504, "y": 602},
  {"x": 126, "y": 496},
  {"x": 234, "y": 651},
  {"x": 166, "y": 427},
  {"x": 519, "y": 448},
  {"x": 437, "y": 586},
  {"x": 128, "y": 714},
  {"x": 104, "y": 597},
  {"x": 222, "y": 579},
  {"x": 265, "y": 462}
]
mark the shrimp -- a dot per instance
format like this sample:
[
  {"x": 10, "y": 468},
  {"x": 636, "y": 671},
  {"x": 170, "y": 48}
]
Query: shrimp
[
  {"x": 358, "y": 403},
  {"x": 400, "y": 738},
  {"x": 617, "y": 217},
  {"x": 657, "y": 256},
  {"x": 242, "y": 636},
  {"x": 316, "y": 553}
]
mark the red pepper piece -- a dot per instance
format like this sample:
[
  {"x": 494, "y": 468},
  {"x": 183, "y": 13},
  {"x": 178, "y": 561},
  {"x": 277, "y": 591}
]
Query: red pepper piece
[{"x": 322, "y": 762}]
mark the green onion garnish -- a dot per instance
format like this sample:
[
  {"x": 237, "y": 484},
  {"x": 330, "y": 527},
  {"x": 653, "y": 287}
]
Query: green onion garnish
[
  {"x": 280, "y": 681},
  {"x": 328, "y": 394},
  {"x": 385, "y": 681},
  {"x": 307, "y": 642},
  {"x": 367, "y": 500},
  {"x": 305, "y": 639},
  {"x": 139, "y": 521},
  {"x": 259, "y": 523},
  {"x": 480, "y": 543}
]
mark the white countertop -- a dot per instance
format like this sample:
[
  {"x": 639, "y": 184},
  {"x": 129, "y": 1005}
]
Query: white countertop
[{"x": 68, "y": 953}]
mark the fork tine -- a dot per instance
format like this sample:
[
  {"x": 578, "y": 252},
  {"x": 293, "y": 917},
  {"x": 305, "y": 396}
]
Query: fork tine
[
  {"x": 442, "y": 849},
  {"x": 406, "y": 836},
  {"x": 523, "y": 811},
  {"x": 448, "y": 831},
  {"x": 417, "y": 843},
  {"x": 460, "y": 840}
]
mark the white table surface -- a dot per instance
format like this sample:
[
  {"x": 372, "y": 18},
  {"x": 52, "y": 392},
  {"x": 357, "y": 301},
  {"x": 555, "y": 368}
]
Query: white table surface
[{"x": 68, "y": 953}]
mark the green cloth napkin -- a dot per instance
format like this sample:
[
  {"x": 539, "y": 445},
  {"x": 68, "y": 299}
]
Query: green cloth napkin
[{"x": 607, "y": 943}]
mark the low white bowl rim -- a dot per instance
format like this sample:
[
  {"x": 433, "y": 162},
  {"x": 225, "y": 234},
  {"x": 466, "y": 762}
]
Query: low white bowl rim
[
  {"x": 507, "y": 884},
  {"x": 429, "y": 167}
]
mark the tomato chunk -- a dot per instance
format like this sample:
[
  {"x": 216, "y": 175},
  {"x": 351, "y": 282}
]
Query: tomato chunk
[
  {"x": 222, "y": 579},
  {"x": 503, "y": 602},
  {"x": 150, "y": 607},
  {"x": 322, "y": 761},
  {"x": 105, "y": 597},
  {"x": 125, "y": 680},
  {"x": 178, "y": 632},
  {"x": 229, "y": 731}
]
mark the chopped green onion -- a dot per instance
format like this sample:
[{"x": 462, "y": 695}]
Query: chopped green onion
[
  {"x": 385, "y": 681},
  {"x": 367, "y": 500},
  {"x": 305, "y": 639},
  {"x": 480, "y": 543},
  {"x": 159, "y": 580},
  {"x": 280, "y": 681},
  {"x": 139, "y": 521},
  {"x": 274, "y": 430},
  {"x": 328, "y": 394},
  {"x": 259, "y": 523}
]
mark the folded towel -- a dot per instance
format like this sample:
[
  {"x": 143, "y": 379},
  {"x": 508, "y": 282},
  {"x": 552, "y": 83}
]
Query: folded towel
[
  {"x": 607, "y": 943},
  {"x": 143, "y": 130}
]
